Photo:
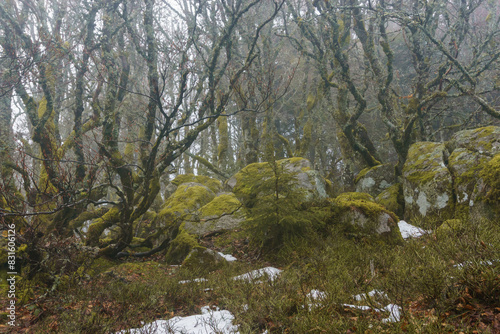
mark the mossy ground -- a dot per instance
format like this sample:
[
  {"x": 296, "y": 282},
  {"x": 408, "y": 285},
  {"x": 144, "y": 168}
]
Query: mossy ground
[{"x": 421, "y": 276}]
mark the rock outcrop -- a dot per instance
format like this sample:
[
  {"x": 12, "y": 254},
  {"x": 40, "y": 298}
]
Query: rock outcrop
[
  {"x": 363, "y": 217},
  {"x": 475, "y": 168},
  {"x": 427, "y": 183},
  {"x": 224, "y": 212},
  {"x": 454, "y": 180},
  {"x": 374, "y": 180}
]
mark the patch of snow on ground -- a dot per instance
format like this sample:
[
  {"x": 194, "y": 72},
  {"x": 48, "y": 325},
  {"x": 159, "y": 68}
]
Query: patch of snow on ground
[
  {"x": 196, "y": 280},
  {"x": 208, "y": 322},
  {"x": 394, "y": 311},
  {"x": 271, "y": 272},
  {"x": 228, "y": 257},
  {"x": 316, "y": 294},
  {"x": 468, "y": 263},
  {"x": 370, "y": 294},
  {"x": 410, "y": 231}
]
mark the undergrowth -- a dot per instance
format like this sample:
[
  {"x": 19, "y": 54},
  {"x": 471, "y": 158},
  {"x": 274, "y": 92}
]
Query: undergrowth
[{"x": 449, "y": 282}]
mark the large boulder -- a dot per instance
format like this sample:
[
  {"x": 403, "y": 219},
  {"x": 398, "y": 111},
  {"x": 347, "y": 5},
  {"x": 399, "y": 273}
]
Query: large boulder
[
  {"x": 203, "y": 260},
  {"x": 472, "y": 163},
  {"x": 427, "y": 184},
  {"x": 484, "y": 140},
  {"x": 213, "y": 184},
  {"x": 374, "y": 180},
  {"x": 185, "y": 202},
  {"x": 362, "y": 217},
  {"x": 181, "y": 246},
  {"x": 223, "y": 213},
  {"x": 243, "y": 183},
  {"x": 486, "y": 196}
]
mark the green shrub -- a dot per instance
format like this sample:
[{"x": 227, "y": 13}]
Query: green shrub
[{"x": 279, "y": 220}]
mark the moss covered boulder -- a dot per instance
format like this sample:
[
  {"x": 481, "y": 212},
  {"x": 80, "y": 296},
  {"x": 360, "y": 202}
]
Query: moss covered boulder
[
  {"x": 203, "y": 260},
  {"x": 392, "y": 199},
  {"x": 180, "y": 247},
  {"x": 364, "y": 218},
  {"x": 185, "y": 202},
  {"x": 485, "y": 140},
  {"x": 427, "y": 184},
  {"x": 486, "y": 196},
  {"x": 473, "y": 162},
  {"x": 244, "y": 182},
  {"x": 213, "y": 184},
  {"x": 224, "y": 212},
  {"x": 374, "y": 180}
]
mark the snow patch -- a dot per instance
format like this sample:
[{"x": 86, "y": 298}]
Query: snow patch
[
  {"x": 393, "y": 309},
  {"x": 410, "y": 231},
  {"x": 271, "y": 272},
  {"x": 208, "y": 322},
  {"x": 228, "y": 257},
  {"x": 316, "y": 294},
  {"x": 373, "y": 293},
  {"x": 196, "y": 280}
]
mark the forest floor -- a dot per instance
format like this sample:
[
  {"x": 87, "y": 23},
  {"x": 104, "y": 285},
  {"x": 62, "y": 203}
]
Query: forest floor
[{"x": 435, "y": 283}]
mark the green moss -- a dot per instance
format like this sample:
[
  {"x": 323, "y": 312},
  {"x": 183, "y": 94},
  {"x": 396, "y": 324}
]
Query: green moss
[
  {"x": 451, "y": 226},
  {"x": 202, "y": 260},
  {"x": 491, "y": 178},
  {"x": 212, "y": 184},
  {"x": 362, "y": 174},
  {"x": 253, "y": 174},
  {"x": 354, "y": 196},
  {"x": 186, "y": 201},
  {"x": 424, "y": 162},
  {"x": 222, "y": 204},
  {"x": 246, "y": 179},
  {"x": 364, "y": 204},
  {"x": 295, "y": 161},
  {"x": 98, "y": 266},
  {"x": 461, "y": 157},
  {"x": 106, "y": 221},
  {"x": 330, "y": 190},
  {"x": 180, "y": 247},
  {"x": 480, "y": 134},
  {"x": 392, "y": 199}
]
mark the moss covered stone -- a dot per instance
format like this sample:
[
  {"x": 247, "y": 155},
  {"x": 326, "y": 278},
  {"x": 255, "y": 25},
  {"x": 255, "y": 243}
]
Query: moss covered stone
[
  {"x": 465, "y": 166},
  {"x": 473, "y": 162},
  {"x": 203, "y": 260},
  {"x": 224, "y": 212},
  {"x": 362, "y": 217},
  {"x": 427, "y": 183},
  {"x": 185, "y": 202},
  {"x": 243, "y": 184},
  {"x": 392, "y": 199},
  {"x": 480, "y": 140},
  {"x": 212, "y": 184},
  {"x": 180, "y": 246},
  {"x": 491, "y": 176},
  {"x": 485, "y": 203},
  {"x": 374, "y": 180}
]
